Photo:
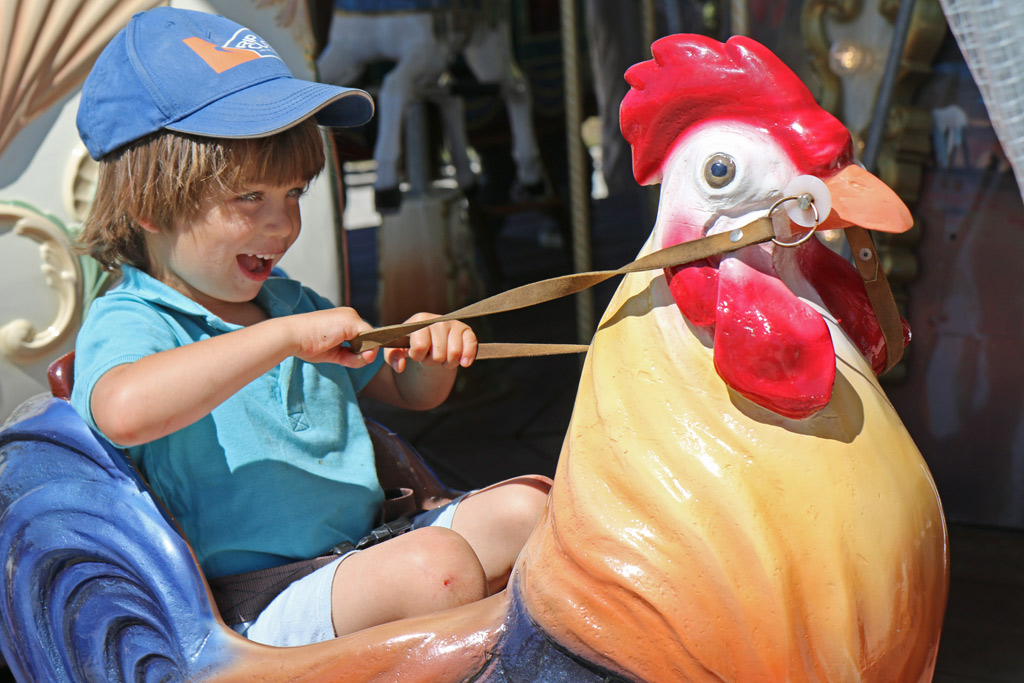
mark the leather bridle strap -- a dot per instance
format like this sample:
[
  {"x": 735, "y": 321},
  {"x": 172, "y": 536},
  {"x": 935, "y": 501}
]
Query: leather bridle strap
[
  {"x": 865, "y": 257},
  {"x": 760, "y": 230},
  {"x": 534, "y": 293}
]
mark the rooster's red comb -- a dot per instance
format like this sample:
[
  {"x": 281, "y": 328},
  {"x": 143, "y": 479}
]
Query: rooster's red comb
[{"x": 693, "y": 79}]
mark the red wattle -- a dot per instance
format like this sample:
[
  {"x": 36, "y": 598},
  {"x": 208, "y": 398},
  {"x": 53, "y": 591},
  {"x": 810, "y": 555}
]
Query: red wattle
[
  {"x": 769, "y": 346},
  {"x": 694, "y": 287},
  {"x": 842, "y": 291}
]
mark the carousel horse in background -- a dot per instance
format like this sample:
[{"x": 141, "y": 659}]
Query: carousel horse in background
[
  {"x": 422, "y": 38},
  {"x": 735, "y": 500}
]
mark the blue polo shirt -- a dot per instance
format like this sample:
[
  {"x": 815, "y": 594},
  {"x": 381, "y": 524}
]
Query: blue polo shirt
[{"x": 282, "y": 470}]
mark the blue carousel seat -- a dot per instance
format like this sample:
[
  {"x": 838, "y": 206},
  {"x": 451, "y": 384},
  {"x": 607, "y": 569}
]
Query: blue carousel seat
[{"x": 99, "y": 583}]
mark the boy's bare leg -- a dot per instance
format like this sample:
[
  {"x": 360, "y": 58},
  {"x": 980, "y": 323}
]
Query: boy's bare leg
[
  {"x": 423, "y": 571},
  {"x": 497, "y": 521},
  {"x": 431, "y": 569}
]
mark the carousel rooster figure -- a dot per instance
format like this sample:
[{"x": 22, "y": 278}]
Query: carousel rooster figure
[
  {"x": 735, "y": 486},
  {"x": 736, "y": 499}
]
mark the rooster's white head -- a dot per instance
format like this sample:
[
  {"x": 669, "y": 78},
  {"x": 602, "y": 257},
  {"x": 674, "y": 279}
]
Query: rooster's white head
[{"x": 728, "y": 130}]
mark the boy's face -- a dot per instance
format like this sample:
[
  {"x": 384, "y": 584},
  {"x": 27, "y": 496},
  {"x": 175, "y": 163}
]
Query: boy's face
[{"x": 223, "y": 256}]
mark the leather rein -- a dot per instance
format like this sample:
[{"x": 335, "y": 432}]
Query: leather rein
[{"x": 760, "y": 230}]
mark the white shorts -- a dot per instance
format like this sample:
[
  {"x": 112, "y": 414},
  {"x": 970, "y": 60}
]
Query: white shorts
[{"x": 301, "y": 613}]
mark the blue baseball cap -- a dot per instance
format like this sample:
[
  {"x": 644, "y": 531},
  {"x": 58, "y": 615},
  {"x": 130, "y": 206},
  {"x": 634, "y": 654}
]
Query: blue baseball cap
[{"x": 199, "y": 73}]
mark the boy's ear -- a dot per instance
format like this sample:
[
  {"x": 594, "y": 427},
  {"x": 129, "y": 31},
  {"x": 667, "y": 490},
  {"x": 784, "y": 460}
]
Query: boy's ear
[{"x": 148, "y": 225}]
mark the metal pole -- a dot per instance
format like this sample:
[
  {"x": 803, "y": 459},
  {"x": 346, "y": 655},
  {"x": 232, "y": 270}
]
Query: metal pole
[
  {"x": 883, "y": 102},
  {"x": 739, "y": 18},
  {"x": 579, "y": 202},
  {"x": 648, "y": 23}
]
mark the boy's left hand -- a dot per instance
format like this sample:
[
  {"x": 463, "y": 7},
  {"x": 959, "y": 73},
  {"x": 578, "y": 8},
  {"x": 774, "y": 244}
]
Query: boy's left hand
[{"x": 448, "y": 344}]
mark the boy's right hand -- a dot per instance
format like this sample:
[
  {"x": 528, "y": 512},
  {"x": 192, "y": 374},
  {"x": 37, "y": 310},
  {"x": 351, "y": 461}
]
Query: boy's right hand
[{"x": 321, "y": 335}]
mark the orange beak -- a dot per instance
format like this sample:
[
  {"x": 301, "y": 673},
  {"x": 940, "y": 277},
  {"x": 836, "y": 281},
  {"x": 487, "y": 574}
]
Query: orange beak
[{"x": 860, "y": 198}]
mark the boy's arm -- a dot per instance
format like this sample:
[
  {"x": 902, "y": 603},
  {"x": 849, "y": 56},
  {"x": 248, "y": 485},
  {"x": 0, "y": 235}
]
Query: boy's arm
[
  {"x": 438, "y": 352},
  {"x": 142, "y": 401}
]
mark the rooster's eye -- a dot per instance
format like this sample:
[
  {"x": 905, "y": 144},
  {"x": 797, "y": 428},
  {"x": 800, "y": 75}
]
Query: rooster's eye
[{"x": 719, "y": 170}]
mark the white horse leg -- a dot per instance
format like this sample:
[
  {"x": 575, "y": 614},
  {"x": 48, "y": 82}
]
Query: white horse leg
[
  {"x": 391, "y": 102},
  {"x": 398, "y": 87},
  {"x": 408, "y": 40},
  {"x": 489, "y": 55},
  {"x": 453, "y": 118},
  {"x": 339, "y": 63}
]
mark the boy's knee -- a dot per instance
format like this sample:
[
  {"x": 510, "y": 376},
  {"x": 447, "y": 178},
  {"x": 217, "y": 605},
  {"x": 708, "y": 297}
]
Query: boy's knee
[
  {"x": 524, "y": 501},
  {"x": 447, "y": 567}
]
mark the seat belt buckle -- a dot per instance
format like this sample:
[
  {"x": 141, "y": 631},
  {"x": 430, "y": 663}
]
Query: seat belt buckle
[{"x": 384, "y": 532}]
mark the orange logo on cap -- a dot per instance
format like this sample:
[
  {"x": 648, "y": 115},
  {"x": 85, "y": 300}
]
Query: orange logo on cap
[{"x": 220, "y": 59}]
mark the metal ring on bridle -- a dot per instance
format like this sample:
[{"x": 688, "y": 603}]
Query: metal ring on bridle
[{"x": 796, "y": 198}]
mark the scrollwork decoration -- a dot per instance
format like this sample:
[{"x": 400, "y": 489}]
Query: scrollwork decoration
[{"x": 20, "y": 341}]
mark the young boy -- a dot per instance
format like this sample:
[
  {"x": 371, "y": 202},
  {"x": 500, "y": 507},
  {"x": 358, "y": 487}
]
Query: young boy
[{"x": 233, "y": 391}]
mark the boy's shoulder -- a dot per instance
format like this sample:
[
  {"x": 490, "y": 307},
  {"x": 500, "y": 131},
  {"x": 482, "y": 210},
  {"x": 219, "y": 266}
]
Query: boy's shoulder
[
  {"x": 283, "y": 296},
  {"x": 142, "y": 305},
  {"x": 136, "y": 289}
]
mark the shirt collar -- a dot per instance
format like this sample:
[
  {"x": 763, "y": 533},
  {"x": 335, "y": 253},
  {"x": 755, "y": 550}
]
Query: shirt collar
[{"x": 278, "y": 296}]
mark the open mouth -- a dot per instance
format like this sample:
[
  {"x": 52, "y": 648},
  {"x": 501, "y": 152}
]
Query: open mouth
[{"x": 256, "y": 266}]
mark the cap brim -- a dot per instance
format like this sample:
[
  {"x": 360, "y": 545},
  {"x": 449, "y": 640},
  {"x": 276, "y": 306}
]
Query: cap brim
[{"x": 272, "y": 106}]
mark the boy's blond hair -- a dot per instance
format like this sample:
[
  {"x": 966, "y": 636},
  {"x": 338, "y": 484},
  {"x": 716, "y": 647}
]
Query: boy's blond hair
[{"x": 166, "y": 177}]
